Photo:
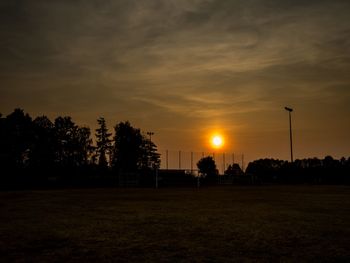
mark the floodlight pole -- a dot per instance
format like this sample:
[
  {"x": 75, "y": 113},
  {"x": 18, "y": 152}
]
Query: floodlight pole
[
  {"x": 224, "y": 162},
  {"x": 290, "y": 132}
]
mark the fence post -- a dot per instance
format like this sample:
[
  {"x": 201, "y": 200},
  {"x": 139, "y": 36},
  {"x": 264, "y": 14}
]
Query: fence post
[
  {"x": 191, "y": 162},
  {"x": 223, "y": 161}
]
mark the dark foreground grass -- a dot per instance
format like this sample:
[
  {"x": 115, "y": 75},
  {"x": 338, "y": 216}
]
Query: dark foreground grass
[{"x": 275, "y": 223}]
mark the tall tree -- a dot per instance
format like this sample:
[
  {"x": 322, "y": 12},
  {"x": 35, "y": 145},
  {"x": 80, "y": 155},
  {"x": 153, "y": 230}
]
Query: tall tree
[
  {"x": 42, "y": 155},
  {"x": 127, "y": 151},
  {"x": 103, "y": 141},
  {"x": 64, "y": 133},
  {"x": 17, "y": 139},
  {"x": 150, "y": 158},
  {"x": 73, "y": 143},
  {"x": 84, "y": 146}
]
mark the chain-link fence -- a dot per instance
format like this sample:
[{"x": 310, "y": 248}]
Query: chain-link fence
[{"x": 187, "y": 160}]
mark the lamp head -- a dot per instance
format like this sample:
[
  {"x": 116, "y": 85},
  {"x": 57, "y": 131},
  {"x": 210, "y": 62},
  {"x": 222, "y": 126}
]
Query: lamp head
[{"x": 288, "y": 109}]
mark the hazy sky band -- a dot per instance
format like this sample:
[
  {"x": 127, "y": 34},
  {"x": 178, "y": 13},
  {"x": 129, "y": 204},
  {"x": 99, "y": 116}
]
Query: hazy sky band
[{"x": 184, "y": 68}]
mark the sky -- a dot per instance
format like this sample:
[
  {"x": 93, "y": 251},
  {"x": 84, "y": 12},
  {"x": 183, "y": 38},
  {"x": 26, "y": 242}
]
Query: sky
[{"x": 185, "y": 69}]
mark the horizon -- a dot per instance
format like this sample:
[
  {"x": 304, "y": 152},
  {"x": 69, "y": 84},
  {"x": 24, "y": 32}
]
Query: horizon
[{"x": 187, "y": 160}]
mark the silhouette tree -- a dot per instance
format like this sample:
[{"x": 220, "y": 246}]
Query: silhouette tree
[
  {"x": 207, "y": 168},
  {"x": 150, "y": 158},
  {"x": 233, "y": 170},
  {"x": 103, "y": 141},
  {"x": 64, "y": 130},
  {"x": 154, "y": 156},
  {"x": 3, "y": 142},
  {"x": 127, "y": 150},
  {"x": 17, "y": 139},
  {"x": 84, "y": 146},
  {"x": 73, "y": 143},
  {"x": 267, "y": 170},
  {"x": 42, "y": 156}
]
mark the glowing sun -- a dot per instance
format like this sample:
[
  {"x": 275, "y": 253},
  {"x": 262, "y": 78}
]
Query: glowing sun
[{"x": 217, "y": 141}]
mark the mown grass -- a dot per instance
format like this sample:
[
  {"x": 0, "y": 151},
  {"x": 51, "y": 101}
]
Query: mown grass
[{"x": 218, "y": 224}]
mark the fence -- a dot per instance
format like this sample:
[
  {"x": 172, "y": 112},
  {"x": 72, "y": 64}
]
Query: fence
[{"x": 187, "y": 160}]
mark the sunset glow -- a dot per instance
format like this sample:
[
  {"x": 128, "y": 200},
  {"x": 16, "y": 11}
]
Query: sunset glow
[{"x": 217, "y": 141}]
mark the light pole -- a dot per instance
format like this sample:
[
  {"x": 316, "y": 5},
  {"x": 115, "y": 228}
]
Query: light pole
[{"x": 290, "y": 131}]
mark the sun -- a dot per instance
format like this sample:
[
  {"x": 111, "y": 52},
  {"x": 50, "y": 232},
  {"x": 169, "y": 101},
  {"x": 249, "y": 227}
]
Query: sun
[{"x": 217, "y": 141}]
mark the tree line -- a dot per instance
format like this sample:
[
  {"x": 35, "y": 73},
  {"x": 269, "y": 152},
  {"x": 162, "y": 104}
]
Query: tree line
[
  {"x": 310, "y": 170},
  {"x": 269, "y": 171},
  {"x": 40, "y": 152},
  {"x": 34, "y": 151}
]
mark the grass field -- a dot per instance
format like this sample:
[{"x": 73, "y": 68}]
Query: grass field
[{"x": 218, "y": 224}]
